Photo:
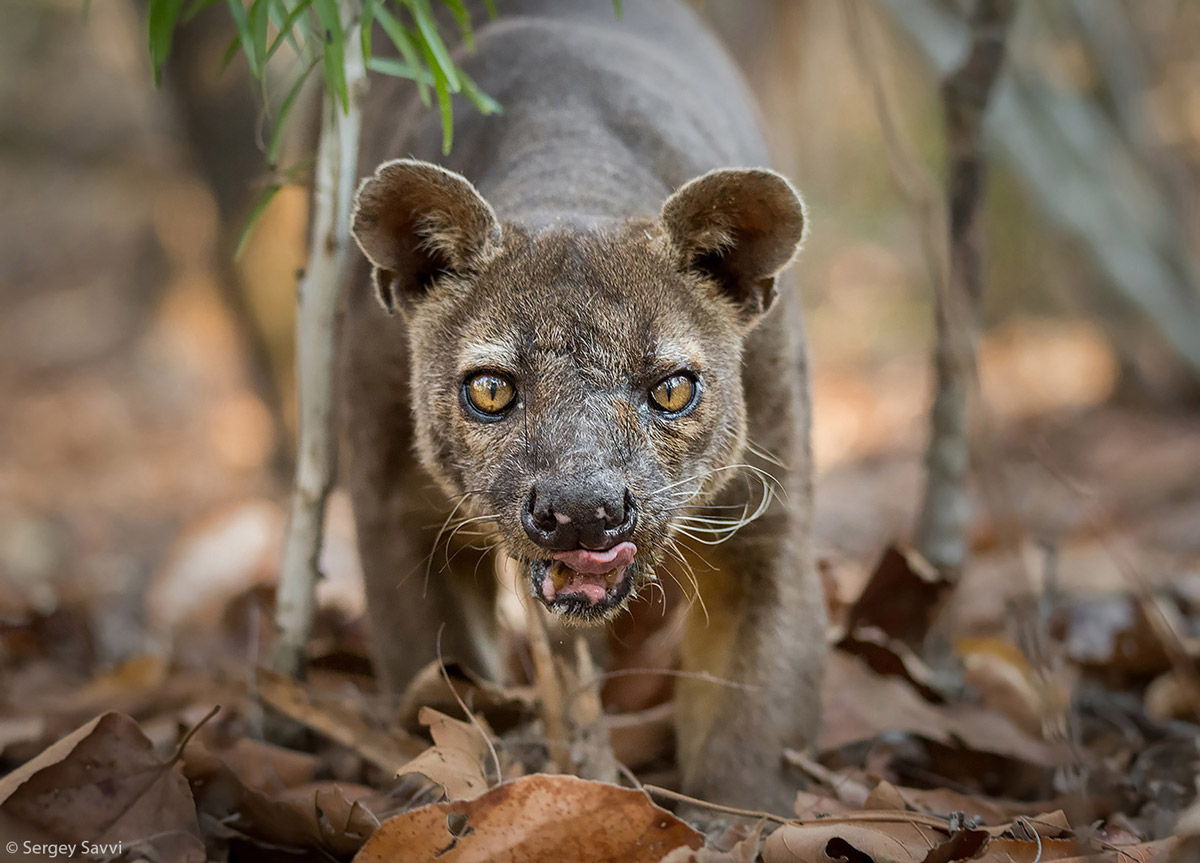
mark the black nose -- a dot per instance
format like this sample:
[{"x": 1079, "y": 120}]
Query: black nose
[{"x": 595, "y": 514}]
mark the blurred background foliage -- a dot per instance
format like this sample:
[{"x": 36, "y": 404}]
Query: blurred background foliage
[{"x": 146, "y": 372}]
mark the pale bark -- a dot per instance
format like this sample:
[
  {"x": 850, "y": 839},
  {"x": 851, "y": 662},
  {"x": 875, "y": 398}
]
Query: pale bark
[
  {"x": 942, "y": 524},
  {"x": 316, "y": 311}
]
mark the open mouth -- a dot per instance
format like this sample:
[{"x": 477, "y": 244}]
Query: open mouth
[{"x": 584, "y": 583}]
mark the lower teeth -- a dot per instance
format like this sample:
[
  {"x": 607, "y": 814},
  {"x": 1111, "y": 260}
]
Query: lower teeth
[{"x": 559, "y": 572}]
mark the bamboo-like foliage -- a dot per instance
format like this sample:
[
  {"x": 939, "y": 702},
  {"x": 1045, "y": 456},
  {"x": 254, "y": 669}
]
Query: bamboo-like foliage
[{"x": 313, "y": 35}]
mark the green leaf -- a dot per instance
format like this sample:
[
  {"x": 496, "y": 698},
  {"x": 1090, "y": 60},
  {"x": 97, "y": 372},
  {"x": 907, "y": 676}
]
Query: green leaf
[
  {"x": 405, "y": 45},
  {"x": 285, "y": 107},
  {"x": 490, "y": 5},
  {"x": 164, "y": 14},
  {"x": 435, "y": 48},
  {"x": 398, "y": 69},
  {"x": 617, "y": 7},
  {"x": 260, "y": 17},
  {"x": 365, "y": 22},
  {"x": 245, "y": 36},
  {"x": 463, "y": 18},
  {"x": 260, "y": 205},
  {"x": 481, "y": 100},
  {"x": 231, "y": 51},
  {"x": 285, "y": 26},
  {"x": 445, "y": 108},
  {"x": 333, "y": 55}
]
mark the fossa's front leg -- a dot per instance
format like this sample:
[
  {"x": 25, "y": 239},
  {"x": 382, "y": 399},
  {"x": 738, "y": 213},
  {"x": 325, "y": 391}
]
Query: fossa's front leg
[
  {"x": 418, "y": 591},
  {"x": 762, "y": 641}
]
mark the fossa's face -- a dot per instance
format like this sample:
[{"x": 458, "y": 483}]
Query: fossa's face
[
  {"x": 577, "y": 392},
  {"x": 584, "y": 395}
]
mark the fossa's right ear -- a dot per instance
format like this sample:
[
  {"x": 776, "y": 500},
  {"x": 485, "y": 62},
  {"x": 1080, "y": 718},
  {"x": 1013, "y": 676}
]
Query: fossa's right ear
[{"x": 415, "y": 221}]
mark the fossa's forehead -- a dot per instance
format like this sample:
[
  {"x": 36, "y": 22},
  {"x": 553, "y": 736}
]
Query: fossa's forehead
[
  {"x": 526, "y": 351},
  {"x": 599, "y": 299}
]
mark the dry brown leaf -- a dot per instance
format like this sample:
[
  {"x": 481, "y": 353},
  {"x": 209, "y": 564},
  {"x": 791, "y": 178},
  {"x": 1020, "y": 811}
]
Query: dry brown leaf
[
  {"x": 882, "y": 842},
  {"x": 860, "y": 704},
  {"x": 885, "y": 795},
  {"x": 536, "y": 819},
  {"x": 265, "y": 767},
  {"x": 744, "y": 851},
  {"x": 810, "y": 805},
  {"x": 943, "y": 801},
  {"x": 1000, "y": 850},
  {"x": 104, "y": 783},
  {"x": 460, "y": 776},
  {"x": 1162, "y": 851},
  {"x": 337, "y": 720},
  {"x": 901, "y": 598},
  {"x": 457, "y": 759},
  {"x": 891, "y": 658},
  {"x": 1007, "y": 683},
  {"x": 322, "y": 815}
]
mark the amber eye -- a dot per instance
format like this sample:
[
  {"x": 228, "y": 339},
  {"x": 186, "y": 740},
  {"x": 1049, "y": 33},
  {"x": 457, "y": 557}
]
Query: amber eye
[
  {"x": 489, "y": 393},
  {"x": 675, "y": 393}
]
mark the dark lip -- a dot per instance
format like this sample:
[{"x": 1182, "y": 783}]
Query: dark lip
[{"x": 578, "y": 608}]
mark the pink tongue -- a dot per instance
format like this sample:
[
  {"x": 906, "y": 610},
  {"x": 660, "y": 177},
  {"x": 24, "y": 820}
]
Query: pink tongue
[
  {"x": 598, "y": 562},
  {"x": 593, "y": 588}
]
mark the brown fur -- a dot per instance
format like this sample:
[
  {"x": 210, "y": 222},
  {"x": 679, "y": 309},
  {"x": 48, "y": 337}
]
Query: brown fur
[{"x": 586, "y": 280}]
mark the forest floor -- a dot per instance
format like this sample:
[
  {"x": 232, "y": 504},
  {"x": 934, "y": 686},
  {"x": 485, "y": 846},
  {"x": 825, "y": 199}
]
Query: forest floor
[
  {"x": 1046, "y": 707},
  {"x": 1043, "y": 708}
]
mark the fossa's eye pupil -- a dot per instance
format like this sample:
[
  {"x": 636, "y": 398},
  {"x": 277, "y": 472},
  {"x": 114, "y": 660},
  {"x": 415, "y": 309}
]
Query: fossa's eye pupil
[
  {"x": 490, "y": 393},
  {"x": 673, "y": 394}
]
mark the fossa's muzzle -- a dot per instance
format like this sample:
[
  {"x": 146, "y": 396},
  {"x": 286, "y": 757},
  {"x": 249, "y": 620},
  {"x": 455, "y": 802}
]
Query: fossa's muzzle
[{"x": 587, "y": 528}]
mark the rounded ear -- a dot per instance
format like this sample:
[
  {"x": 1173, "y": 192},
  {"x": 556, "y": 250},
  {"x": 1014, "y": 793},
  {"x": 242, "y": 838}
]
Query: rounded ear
[
  {"x": 739, "y": 227},
  {"x": 414, "y": 220}
]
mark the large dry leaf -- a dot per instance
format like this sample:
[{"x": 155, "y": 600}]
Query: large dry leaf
[
  {"x": 901, "y": 598},
  {"x": 884, "y": 842},
  {"x": 537, "y": 819},
  {"x": 457, "y": 758},
  {"x": 104, "y": 783},
  {"x": 1001, "y": 850},
  {"x": 323, "y": 815}
]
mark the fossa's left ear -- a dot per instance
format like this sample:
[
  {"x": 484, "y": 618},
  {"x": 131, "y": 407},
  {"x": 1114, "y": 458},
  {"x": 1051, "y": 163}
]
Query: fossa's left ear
[
  {"x": 739, "y": 227},
  {"x": 415, "y": 221}
]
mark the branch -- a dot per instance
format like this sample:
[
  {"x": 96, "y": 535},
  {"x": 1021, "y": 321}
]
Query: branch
[
  {"x": 941, "y": 526},
  {"x": 1077, "y": 165},
  {"x": 316, "y": 452}
]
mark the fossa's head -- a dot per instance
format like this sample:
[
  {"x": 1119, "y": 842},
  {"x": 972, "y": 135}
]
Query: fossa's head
[{"x": 578, "y": 389}]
